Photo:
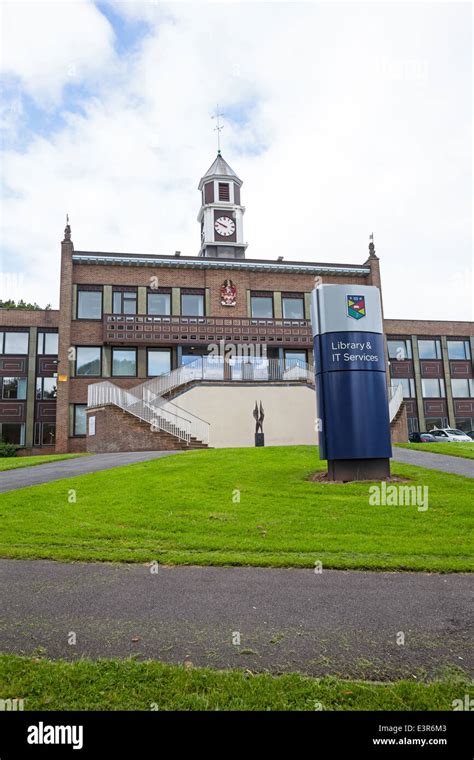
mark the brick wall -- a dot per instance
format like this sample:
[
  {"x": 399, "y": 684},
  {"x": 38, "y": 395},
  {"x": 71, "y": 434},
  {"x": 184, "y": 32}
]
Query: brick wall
[
  {"x": 435, "y": 327},
  {"x": 116, "y": 430}
]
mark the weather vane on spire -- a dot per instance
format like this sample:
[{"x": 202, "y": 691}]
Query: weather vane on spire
[{"x": 218, "y": 128}]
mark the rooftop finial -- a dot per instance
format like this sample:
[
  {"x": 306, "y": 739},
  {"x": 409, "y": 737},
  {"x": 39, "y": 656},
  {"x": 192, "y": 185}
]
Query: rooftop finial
[
  {"x": 218, "y": 128},
  {"x": 371, "y": 245},
  {"x": 67, "y": 229}
]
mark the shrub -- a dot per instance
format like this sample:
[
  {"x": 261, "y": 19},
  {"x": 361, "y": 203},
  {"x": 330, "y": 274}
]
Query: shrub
[{"x": 7, "y": 449}]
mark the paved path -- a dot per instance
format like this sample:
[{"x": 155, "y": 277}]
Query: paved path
[
  {"x": 10, "y": 480},
  {"x": 342, "y": 622},
  {"x": 443, "y": 462}
]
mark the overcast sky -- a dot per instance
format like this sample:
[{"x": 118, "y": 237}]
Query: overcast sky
[{"x": 341, "y": 119}]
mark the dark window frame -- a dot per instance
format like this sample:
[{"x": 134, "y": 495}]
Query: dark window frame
[
  {"x": 262, "y": 294},
  {"x": 123, "y": 292},
  {"x": 192, "y": 292},
  {"x": 6, "y": 332},
  {"x": 74, "y": 434},
  {"x": 90, "y": 289},
  {"x": 101, "y": 358},
  {"x": 123, "y": 348},
  {"x": 158, "y": 349}
]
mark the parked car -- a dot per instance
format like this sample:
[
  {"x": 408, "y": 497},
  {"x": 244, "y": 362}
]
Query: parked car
[
  {"x": 450, "y": 434},
  {"x": 470, "y": 433},
  {"x": 421, "y": 438}
]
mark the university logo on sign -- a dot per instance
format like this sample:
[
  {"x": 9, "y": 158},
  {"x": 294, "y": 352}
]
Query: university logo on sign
[{"x": 356, "y": 307}]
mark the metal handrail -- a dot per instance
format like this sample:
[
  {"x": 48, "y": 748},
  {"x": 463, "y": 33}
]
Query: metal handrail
[
  {"x": 146, "y": 400},
  {"x": 395, "y": 400}
]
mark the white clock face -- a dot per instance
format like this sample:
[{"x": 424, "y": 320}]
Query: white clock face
[{"x": 224, "y": 226}]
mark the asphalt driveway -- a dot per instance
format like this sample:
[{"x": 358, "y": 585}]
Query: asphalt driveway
[
  {"x": 23, "y": 477},
  {"x": 361, "y": 624}
]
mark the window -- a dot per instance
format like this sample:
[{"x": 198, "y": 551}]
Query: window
[
  {"x": 295, "y": 359},
  {"x": 262, "y": 307},
  {"x": 15, "y": 343},
  {"x": 407, "y": 383},
  {"x": 435, "y": 422},
  {"x": 13, "y": 433},
  {"x": 14, "y": 387},
  {"x": 224, "y": 192},
  {"x": 459, "y": 349},
  {"x": 159, "y": 361},
  {"x": 192, "y": 305},
  {"x": 462, "y": 388},
  {"x": 159, "y": 303},
  {"x": 88, "y": 361},
  {"x": 46, "y": 388},
  {"x": 466, "y": 424},
  {"x": 429, "y": 349},
  {"x": 79, "y": 419},
  {"x": 399, "y": 349},
  {"x": 293, "y": 307},
  {"x": 45, "y": 433},
  {"x": 48, "y": 343},
  {"x": 89, "y": 304},
  {"x": 432, "y": 388},
  {"x": 413, "y": 424},
  {"x": 124, "y": 302},
  {"x": 124, "y": 362}
]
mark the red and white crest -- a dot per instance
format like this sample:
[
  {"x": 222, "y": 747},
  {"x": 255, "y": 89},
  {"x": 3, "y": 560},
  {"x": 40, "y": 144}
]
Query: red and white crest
[{"x": 228, "y": 293}]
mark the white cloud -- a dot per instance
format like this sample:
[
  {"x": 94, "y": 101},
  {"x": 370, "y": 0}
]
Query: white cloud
[
  {"x": 48, "y": 44},
  {"x": 363, "y": 110}
]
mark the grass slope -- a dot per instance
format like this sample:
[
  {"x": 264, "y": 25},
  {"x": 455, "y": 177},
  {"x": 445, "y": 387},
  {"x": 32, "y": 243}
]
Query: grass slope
[
  {"x": 460, "y": 449},
  {"x": 14, "y": 463},
  {"x": 186, "y": 510},
  {"x": 131, "y": 685}
]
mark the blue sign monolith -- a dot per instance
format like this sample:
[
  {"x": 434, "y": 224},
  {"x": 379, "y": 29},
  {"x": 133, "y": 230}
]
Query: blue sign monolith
[{"x": 351, "y": 381}]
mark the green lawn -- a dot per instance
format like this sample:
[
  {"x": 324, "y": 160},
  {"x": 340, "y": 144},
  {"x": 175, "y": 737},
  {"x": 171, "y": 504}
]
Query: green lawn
[
  {"x": 13, "y": 463},
  {"x": 185, "y": 509},
  {"x": 460, "y": 449},
  {"x": 131, "y": 685}
]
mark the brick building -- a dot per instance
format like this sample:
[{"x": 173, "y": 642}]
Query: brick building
[{"x": 183, "y": 342}]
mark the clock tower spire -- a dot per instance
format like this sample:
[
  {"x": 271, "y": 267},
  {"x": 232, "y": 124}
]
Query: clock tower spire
[{"x": 221, "y": 213}]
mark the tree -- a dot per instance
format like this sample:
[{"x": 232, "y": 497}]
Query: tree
[{"x": 10, "y": 304}]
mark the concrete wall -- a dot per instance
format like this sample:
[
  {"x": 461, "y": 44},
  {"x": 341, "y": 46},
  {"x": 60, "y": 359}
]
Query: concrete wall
[{"x": 290, "y": 412}]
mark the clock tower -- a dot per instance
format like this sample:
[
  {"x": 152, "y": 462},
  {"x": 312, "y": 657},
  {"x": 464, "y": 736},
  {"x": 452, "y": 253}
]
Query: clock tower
[{"x": 221, "y": 213}]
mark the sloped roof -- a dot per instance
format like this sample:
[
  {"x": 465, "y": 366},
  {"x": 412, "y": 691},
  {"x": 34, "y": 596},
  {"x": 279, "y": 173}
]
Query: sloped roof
[{"x": 221, "y": 168}]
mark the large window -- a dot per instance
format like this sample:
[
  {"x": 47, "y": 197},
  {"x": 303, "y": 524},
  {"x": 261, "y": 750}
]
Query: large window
[
  {"x": 14, "y": 342},
  {"x": 89, "y": 304},
  {"x": 13, "y": 387},
  {"x": 124, "y": 362},
  {"x": 45, "y": 434},
  {"x": 159, "y": 361},
  {"x": 407, "y": 383},
  {"x": 429, "y": 349},
  {"x": 399, "y": 349},
  {"x": 79, "y": 423},
  {"x": 13, "y": 432},
  {"x": 432, "y": 387},
  {"x": 293, "y": 307},
  {"x": 88, "y": 361},
  {"x": 192, "y": 304},
  {"x": 462, "y": 388},
  {"x": 262, "y": 307},
  {"x": 466, "y": 424},
  {"x": 459, "y": 349},
  {"x": 159, "y": 303},
  {"x": 46, "y": 388},
  {"x": 124, "y": 302},
  {"x": 436, "y": 422},
  {"x": 295, "y": 359},
  {"x": 48, "y": 343}
]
